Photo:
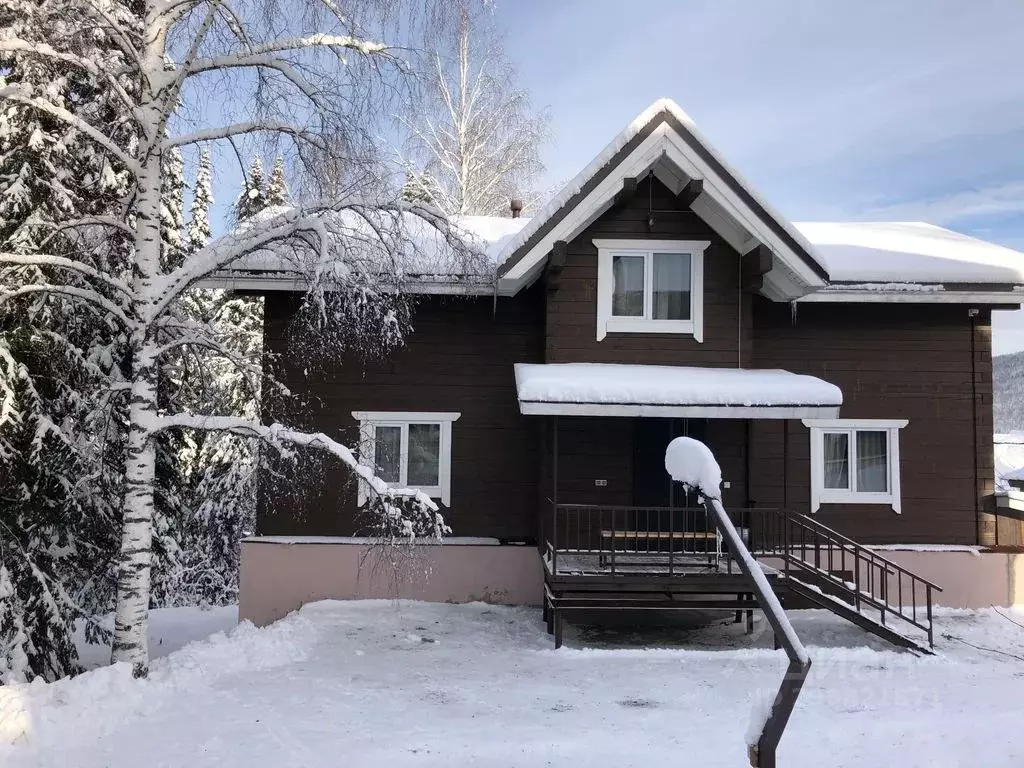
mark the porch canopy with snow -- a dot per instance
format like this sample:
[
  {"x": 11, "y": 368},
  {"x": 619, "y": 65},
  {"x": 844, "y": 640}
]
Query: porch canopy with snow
[{"x": 595, "y": 389}]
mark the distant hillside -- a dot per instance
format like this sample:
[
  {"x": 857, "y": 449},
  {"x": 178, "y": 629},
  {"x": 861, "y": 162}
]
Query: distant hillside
[{"x": 1008, "y": 386}]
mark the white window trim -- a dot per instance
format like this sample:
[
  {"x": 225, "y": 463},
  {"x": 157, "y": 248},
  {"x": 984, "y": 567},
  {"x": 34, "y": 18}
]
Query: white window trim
[
  {"x": 822, "y": 495},
  {"x": 606, "y": 323},
  {"x": 369, "y": 420}
]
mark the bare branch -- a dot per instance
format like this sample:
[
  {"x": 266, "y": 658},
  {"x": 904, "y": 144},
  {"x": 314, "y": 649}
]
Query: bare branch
[
  {"x": 237, "y": 129},
  {"x": 278, "y": 433},
  {"x": 258, "y": 62}
]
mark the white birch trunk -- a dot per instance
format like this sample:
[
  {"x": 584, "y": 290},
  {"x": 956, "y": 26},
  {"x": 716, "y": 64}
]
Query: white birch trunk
[
  {"x": 131, "y": 614},
  {"x": 133, "y": 578}
]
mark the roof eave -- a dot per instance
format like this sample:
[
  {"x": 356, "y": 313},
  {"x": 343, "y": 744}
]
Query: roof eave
[{"x": 1008, "y": 295}]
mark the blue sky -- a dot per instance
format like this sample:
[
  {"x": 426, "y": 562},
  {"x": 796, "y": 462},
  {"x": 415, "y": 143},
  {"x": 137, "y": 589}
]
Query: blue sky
[{"x": 864, "y": 109}]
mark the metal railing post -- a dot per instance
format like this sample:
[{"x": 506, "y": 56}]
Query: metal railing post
[
  {"x": 928, "y": 597},
  {"x": 554, "y": 537}
]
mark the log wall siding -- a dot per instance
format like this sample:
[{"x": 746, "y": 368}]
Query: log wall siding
[
  {"x": 572, "y": 307},
  {"x": 459, "y": 357},
  {"x": 891, "y": 361}
]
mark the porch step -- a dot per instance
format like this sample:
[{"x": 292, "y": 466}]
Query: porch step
[{"x": 848, "y": 612}]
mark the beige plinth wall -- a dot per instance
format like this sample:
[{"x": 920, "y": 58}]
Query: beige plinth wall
[
  {"x": 969, "y": 579},
  {"x": 280, "y": 574}
]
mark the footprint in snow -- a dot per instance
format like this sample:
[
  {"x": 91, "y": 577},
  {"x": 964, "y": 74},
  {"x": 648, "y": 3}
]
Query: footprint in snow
[{"x": 636, "y": 703}]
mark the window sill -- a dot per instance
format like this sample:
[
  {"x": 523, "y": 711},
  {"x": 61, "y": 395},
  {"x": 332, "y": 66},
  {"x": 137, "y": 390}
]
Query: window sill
[
  {"x": 640, "y": 325},
  {"x": 435, "y": 492},
  {"x": 853, "y": 497}
]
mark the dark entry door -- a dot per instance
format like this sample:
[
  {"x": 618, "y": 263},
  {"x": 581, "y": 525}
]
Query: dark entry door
[{"x": 652, "y": 486}]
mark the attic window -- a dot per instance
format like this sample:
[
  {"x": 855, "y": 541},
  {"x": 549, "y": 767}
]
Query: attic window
[{"x": 650, "y": 286}]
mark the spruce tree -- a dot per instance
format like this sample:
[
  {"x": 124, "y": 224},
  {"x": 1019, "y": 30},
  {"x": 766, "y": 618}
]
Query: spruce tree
[
  {"x": 202, "y": 199},
  {"x": 60, "y": 367},
  {"x": 418, "y": 188},
  {"x": 277, "y": 190},
  {"x": 253, "y": 198}
]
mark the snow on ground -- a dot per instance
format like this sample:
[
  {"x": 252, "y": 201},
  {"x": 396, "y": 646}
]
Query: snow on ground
[{"x": 378, "y": 683}]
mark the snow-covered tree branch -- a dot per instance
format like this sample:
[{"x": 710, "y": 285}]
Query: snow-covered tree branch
[
  {"x": 71, "y": 292},
  {"x": 14, "y": 93},
  {"x": 236, "y": 129},
  {"x": 60, "y": 262}
]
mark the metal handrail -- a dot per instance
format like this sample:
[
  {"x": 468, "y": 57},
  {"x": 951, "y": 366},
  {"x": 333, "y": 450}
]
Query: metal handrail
[
  {"x": 613, "y": 532},
  {"x": 832, "y": 533},
  {"x": 874, "y": 596}
]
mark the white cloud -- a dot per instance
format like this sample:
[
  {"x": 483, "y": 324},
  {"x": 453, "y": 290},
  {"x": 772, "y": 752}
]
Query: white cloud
[{"x": 995, "y": 200}]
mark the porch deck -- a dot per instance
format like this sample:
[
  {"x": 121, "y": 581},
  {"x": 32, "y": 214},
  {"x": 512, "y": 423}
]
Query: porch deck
[{"x": 599, "y": 558}]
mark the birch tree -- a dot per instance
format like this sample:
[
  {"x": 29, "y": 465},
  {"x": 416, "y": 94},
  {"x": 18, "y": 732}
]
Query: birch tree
[
  {"x": 312, "y": 69},
  {"x": 473, "y": 137}
]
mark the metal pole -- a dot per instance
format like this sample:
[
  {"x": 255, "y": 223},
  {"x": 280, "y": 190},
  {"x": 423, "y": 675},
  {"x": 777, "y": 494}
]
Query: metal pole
[
  {"x": 785, "y": 464},
  {"x": 554, "y": 453},
  {"x": 763, "y": 755}
]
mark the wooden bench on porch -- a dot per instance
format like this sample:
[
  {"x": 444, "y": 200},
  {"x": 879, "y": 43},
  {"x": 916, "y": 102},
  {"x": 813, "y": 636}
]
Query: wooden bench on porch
[{"x": 609, "y": 538}]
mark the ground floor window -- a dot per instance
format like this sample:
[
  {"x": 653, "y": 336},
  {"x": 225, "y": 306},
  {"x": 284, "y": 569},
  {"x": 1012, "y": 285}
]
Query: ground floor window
[
  {"x": 855, "y": 461},
  {"x": 408, "y": 450}
]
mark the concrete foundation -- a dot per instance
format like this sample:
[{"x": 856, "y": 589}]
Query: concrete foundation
[{"x": 280, "y": 574}]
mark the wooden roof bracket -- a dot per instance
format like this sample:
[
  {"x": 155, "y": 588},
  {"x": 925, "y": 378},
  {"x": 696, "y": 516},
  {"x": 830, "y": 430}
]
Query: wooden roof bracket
[
  {"x": 556, "y": 261},
  {"x": 754, "y": 265},
  {"x": 689, "y": 193}
]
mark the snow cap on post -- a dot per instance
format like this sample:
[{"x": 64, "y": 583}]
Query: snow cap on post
[{"x": 692, "y": 463}]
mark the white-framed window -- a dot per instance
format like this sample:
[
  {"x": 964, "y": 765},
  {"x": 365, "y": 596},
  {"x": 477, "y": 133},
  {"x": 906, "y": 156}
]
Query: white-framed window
[
  {"x": 855, "y": 461},
  {"x": 408, "y": 450},
  {"x": 650, "y": 286}
]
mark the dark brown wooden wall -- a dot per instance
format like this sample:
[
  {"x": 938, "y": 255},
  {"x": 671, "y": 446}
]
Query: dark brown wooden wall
[
  {"x": 891, "y": 361},
  {"x": 459, "y": 357},
  {"x": 572, "y": 308}
]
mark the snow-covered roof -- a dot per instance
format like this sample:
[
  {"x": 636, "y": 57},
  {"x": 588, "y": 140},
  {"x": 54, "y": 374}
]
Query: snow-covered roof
[
  {"x": 603, "y": 389},
  {"x": 909, "y": 252},
  {"x": 466, "y": 252},
  {"x": 812, "y": 261},
  {"x": 1009, "y": 459}
]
